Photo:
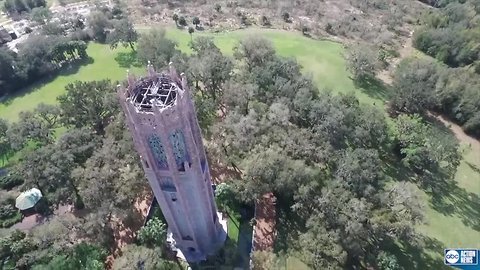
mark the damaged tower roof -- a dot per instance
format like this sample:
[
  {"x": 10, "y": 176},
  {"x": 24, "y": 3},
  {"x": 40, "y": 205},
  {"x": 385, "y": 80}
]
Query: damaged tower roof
[
  {"x": 156, "y": 91},
  {"x": 159, "y": 91}
]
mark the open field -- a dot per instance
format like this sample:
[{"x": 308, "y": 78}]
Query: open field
[
  {"x": 103, "y": 66},
  {"x": 322, "y": 60},
  {"x": 451, "y": 220}
]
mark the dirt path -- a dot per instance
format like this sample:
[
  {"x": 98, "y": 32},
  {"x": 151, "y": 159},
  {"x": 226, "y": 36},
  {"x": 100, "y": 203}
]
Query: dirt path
[
  {"x": 404, "y": 52},
  {"x": 265, "y": 217},
  {"x": 125, "y": 234},
  {"x": 386, "y": 76},
  {"x": 461, "y": 135}
]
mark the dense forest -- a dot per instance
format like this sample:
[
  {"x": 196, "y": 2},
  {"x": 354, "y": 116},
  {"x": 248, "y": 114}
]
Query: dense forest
[
  {"x": 19, "y": 6},
  {"x": 450, "y": 34}
]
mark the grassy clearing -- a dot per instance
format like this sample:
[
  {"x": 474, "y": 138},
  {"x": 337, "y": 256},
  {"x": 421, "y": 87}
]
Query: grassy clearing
[
  {"x": 322, "y": 60},
  {"x": 233, "y": 228},
  {"x": 295, "y": 264},
  {"x": 102, "y": 66},
  {"x": 453, "y": 219}
]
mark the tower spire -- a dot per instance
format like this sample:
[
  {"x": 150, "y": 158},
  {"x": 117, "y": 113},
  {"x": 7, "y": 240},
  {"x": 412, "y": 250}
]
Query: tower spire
[
  {"x": 151, "y": 69},
  {"x": 131, "y": 82}
]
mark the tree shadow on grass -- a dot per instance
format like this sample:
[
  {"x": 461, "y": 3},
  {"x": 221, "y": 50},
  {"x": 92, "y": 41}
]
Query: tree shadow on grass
[
  {"x": 450, "y": 199},
  {"x": 437, "y": 124},
  {"x": 473, "y": 167},
  {"x": 395, "y": 169},
  {"x": 446, "y": 196},
  {"x": 128, "y": 59},
  {"x": 66, "y": 70},
  {"x": 288, "y": 227},
  {"x": 374, "y": 88},
  {"x": 414, "y": 257}
]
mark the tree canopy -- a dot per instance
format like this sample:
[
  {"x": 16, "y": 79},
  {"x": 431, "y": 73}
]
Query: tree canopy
[
  {"x": 123, "y": 32},
  {"x": 89, "y": 104},
  {"x": 156, "y": 48}
]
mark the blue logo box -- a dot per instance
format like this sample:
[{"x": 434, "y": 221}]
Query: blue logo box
[{"x": 461, "y": 257}]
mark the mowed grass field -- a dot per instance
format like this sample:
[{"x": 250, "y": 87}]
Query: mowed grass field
[
  {"x": 324, "y": 62},
  {"x": 321, "y": 59},
  {"x": 103, "y": 66}
]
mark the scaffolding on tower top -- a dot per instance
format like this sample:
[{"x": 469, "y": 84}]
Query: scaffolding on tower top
[{"x": 154, "y": 91}]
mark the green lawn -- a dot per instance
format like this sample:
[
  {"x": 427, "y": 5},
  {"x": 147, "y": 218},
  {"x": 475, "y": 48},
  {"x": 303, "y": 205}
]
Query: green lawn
[
  {"x": 295, "y": 264},
  {"x": 233, "y": 228},
  {"x": 324, "y": 62},
  {"x": 103, "y": 66},
  {"x": 457, "y": 223}
]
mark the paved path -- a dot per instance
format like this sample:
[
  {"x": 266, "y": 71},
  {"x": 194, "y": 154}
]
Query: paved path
[{"x": 265, "y": 217}]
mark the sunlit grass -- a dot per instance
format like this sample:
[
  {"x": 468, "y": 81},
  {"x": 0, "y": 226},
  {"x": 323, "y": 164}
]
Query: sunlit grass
[{"x": 103, "y": 66}]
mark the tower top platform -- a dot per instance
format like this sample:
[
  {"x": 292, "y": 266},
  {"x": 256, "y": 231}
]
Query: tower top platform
[{"x": 156, "y": 91}]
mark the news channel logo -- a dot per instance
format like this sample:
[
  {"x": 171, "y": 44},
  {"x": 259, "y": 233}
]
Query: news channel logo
[{"x": 461, "y": 257}]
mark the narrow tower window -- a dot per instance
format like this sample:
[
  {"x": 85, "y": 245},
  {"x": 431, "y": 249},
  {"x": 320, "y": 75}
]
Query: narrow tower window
[
  {"x": 179, "y": 149},
  {"x": 158, "y": 151}
]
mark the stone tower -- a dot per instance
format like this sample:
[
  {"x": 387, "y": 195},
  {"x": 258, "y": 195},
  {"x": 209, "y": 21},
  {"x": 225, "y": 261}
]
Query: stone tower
[{"x": 162, "y": 119}]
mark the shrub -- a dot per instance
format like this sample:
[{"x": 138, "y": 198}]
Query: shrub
[
  {"x": 305, "y": 30},
  {"x": 153, "y": 233},
  {"x": 265, "y": 21},
  {"x": 196, "y": 21},
  {"x": 10, "y": 181},
  {"x": 7, "y": 200},
  {"x": 244, "y": 20},
  {"x": 182, "y": 21},
  {"x": 387, "y": 261},
  {"x": 329, "y": 28},
  {"x": 286, "y": 17},
  {"x": 7, "y": 211},
  {"x": 11, "y": 221}
]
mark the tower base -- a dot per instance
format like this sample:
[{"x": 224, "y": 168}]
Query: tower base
[{"x": 196, "y": 256}]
